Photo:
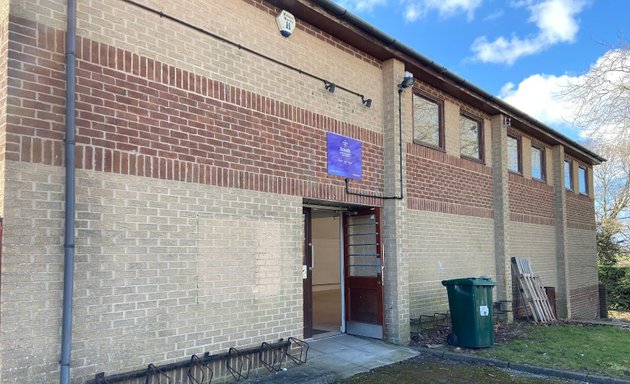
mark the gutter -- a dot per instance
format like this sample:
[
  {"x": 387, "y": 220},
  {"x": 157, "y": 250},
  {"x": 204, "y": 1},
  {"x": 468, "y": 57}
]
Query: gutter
[
  {"x": 389, "y": 41},
  {"x": 68, "y": 260}
]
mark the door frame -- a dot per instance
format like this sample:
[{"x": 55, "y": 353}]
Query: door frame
[
  {"x": 354, "y": 326},
  {"x": 347, "y": 326},
  {"x": 307, "y": 273}
]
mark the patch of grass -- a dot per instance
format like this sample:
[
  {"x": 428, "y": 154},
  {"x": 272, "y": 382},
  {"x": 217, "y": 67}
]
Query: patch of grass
[
  {"x": 422, "y": 371},
  {"x": 602, "y": 350}
]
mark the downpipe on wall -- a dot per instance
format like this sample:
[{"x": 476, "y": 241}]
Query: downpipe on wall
[{"x": 68, "y": 260}]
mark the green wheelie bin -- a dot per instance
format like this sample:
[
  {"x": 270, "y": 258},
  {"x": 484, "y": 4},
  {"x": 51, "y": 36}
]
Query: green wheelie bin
[{"x": 470, "y": 303}]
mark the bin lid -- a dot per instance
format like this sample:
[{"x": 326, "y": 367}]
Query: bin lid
[{"x": 469, "y": 281}]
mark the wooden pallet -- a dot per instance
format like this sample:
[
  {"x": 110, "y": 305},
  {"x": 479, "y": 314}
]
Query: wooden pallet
[{"x": 532, "y": 291}]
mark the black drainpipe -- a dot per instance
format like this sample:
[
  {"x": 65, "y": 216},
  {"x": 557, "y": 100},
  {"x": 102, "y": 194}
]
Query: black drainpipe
[{"x": 68, "y": 259}]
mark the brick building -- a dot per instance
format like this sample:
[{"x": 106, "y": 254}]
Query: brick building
[{"x": 203, "y": 138}]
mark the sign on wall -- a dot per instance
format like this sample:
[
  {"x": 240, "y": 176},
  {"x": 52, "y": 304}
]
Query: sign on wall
[{"x": 344, "y": 156}]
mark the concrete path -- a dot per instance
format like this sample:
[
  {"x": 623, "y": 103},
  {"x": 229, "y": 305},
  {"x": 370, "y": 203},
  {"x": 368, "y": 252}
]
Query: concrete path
[{"x": 338, "y": 357}]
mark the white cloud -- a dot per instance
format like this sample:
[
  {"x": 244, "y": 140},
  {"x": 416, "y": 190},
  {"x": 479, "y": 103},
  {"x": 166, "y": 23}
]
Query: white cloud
[
  {"x": 416, "y": 9},
  {"x": 545, "y": 97},
  {"x": 361, "y": 5},
  {"x": 539, "y": 96},
  {"x": 556, "y": 21}
]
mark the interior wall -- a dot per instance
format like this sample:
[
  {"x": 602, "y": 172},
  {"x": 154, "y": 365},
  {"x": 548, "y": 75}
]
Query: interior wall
[{"x": 326, "y": 253}]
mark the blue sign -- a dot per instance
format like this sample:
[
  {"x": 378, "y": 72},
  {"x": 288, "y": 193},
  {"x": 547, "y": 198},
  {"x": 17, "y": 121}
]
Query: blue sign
[{"x": 344, "y": 156}]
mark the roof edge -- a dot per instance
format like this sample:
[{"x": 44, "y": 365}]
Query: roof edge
[{"x": 391, "y": 42}]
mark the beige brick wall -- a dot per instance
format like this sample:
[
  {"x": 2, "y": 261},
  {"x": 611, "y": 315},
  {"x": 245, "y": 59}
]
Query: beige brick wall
[
  {"x": 537, "y": 244},
  {"x": 162, "y": 270},
  {"x": 582, "y": 257},
  {"x": 443, "y": 246},
  {"x": 124, "y": 26}
]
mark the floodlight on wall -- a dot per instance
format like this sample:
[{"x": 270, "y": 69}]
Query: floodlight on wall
[
  {"x": 366, "y": 102},
  {"x": 407, "y": 82},
  {"x": 507, "y": 121},
  {"x": 330, "y": 87}
]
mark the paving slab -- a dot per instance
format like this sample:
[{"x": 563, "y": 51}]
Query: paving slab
[{"x": 338, "y": 357}]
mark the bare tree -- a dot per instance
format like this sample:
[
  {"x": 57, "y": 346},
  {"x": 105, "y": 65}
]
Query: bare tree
[
  {"x": 612, "y": 198},
  {"x": 600, "y": 98}
]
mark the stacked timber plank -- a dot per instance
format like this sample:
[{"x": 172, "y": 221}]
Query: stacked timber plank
[{"x": 532, "y": 291}]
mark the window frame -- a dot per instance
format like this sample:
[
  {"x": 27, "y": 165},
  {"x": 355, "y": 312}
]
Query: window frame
[
  {"x": 440, "y": 103},
  {"x": 571, "y": 182},
  {"x": 543, "y": 164},
  {"x": 519, "y": 153},
  {"x": 586, "y": 186},
  {"x": 479, "y": 121}
]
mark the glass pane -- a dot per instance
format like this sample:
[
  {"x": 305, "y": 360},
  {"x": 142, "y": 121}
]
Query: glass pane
[
  {"x": 426, "y": 121},
  {"x": 513, "y": 158},
  {"x": 537, "y": 162},
  {"x": 363, "y": 256},
  {"x": 582, "y": 180},
  {"x": 470, "y": 131},
  {"x": 567, "y": 175}
]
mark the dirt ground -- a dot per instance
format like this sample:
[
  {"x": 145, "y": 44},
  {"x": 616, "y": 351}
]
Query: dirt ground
[{"x": 503, "y": 332}]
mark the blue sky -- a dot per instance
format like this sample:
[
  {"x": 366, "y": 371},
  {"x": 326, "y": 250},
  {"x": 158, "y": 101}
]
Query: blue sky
[{"x": 523, "y": 51}]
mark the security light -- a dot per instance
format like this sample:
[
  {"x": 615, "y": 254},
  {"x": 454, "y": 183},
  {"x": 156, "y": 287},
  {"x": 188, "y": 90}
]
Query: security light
[
  {"x": 330, "y": 87},
  {"x": 407, "y": 80}
]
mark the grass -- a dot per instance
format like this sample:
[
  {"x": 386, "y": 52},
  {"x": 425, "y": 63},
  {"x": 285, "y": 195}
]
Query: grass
[
  {"x": 427, "y": 371},
  {"x": 602, "y": 350}
]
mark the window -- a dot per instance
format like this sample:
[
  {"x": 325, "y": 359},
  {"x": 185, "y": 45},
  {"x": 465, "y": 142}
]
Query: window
[
  {"x": 582, "y": 182},
  {"x": 514, "y": 154},
  {"x": 538, "y": 162},
  {"x": 471, "y": 134},
  {"x": 427, "y": 121},
  {"x": 568, "y": 175}
]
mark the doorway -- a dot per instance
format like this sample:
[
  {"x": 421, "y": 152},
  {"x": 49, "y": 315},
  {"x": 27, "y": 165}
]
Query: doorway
[
  {"x": 342, "y": 271},
  {"x": 326, "y": 263}
]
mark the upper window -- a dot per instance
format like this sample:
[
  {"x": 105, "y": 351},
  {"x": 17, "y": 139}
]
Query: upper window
[
  {"x": 471, "y": 134},
  {"x": 514, "y": 154},
  {"x": 538, "y": 162},
  {"x": 582, "y": 182},
  {"x": 568, "y": 175},
  {"x": 427, "y": 121}
]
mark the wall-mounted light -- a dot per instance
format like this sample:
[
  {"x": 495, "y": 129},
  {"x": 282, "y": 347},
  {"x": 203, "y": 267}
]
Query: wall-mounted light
[
  {"x": 366, "y": 102},
  {"x": 507, "y": 121},
  {"x": 330, "y": 87},
  {"x": 407, "y": 82}
]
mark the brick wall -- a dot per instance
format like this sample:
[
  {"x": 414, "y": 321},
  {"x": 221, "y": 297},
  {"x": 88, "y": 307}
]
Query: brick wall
[
  {"x": 531, "y": 201},
  {"x": 537, "y": 244},
  {"x": 580, "y": 211},
  {"x": 4, "y": 49},
  {"x": 585, "y": 302},
  {"x": 583, "y": 280},
  {"x": 444, "y": 246},
  {"x": 141, "y": 117},
  {"x": 190, "y": 181},
  {"x": 439, "y": 182},
  {"x": 127, "y": 27},
  {"x": 163, "y": 270}
]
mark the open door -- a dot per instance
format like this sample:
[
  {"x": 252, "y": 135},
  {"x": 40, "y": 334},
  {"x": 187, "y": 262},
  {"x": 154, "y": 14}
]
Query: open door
[
  {"x": 307, "y": 274},
  {"x": 363, "y": 273}
]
